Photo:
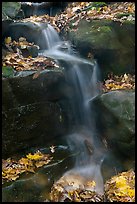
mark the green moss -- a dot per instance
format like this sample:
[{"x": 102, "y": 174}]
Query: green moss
[
  {"x": 99, "y": 4},
  {"x": 10, "y": 9},
  {"x": 98, "y": 33},
  {"x": 120, "y": 15},
  {"x": 95, "y": 5},
  {"x": 7, "y": 71}
]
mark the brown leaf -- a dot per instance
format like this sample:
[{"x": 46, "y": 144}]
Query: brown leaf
[{"x": 36, "y": 75}]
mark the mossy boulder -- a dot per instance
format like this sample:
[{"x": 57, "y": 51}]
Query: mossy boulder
[
  {"x": 111, "y": 43},
  {"x": 10, "y": 9},
  {"x": 99, "y": 34},
  {"x": 117, "y": 121}
]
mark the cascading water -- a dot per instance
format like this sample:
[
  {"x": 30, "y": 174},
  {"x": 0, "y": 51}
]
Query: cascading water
[
  {"x": 83, "y": 76},
  {"x": 51, "y": 36}
]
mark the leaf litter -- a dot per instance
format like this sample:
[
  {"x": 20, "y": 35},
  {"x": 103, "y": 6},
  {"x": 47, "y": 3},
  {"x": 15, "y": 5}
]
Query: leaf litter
[
  {"x": 14, "y": 57},
  {"x": 122, "y": 82},
  {"x": 121, "y": 188},
  {"x": 74, "y": 188},
  {"x": 12, "y": 169}
]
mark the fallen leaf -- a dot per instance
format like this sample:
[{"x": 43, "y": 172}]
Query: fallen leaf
[
  {"x": 35, "y": 156},
  {"x": 8, "y": 40}
]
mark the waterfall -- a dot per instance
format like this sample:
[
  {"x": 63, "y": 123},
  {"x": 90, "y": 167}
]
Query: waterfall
[
  {"x": 51, "y": 37},
  {"x": 83, "y": 76}
]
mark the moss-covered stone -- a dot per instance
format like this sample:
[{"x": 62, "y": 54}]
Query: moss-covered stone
[
  {"x": 117, "y": 120},
  {"x": 111, "y": 43},
  {"x": 7, "y": 71},
  {"x": 10, "y": 9},
  {"x": 97, "y": 34}
]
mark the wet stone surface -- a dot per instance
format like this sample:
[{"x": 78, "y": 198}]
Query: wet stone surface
[{"x": 33, "y": 111}]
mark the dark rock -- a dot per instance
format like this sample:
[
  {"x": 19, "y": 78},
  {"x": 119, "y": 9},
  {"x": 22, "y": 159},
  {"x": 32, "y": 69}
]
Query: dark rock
[
  {"x": 31, "y": 31},
  {"x": 33, "y": 111},
  {"x": 31, "y": 125},
  {"x": 30, "y": 51},
  {"x": 117, "y": 121},
  {"x": 5, "y": 26},
  {"x": 19, "y": 91}
]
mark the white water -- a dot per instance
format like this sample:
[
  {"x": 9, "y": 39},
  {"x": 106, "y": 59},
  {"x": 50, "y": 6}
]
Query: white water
[
  {"x": 83, "y": 76},
  {"x": 51, "y": 36}
]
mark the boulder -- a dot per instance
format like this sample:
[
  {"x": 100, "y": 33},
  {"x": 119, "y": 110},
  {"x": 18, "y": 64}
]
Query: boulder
[
  {"x": 116, "y": 121},
  {"x": 5, "y": 27},
  {"x": 107, "y": 42},
  {"x": 10, "y": 9},
  {"x": 32, "y": 31},
  {"x": 33, "y": 111}
]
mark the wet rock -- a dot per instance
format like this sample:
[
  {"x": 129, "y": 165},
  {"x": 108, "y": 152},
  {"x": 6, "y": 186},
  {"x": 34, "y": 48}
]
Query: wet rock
[
  {"x": 30, "y": 51},
  {"x": 33, "y": 110},
  {"x": 19, "y": 91},
  {"x": 5, "y": 26},
  {"x": 31, "y": 126},
  {"x": 117, "y": 121},
  {"x": 30, "y": 30},
  {"x": 107, "y": 42}
]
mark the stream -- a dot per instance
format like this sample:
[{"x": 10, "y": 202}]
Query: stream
[{"x": 83, "y": 75}]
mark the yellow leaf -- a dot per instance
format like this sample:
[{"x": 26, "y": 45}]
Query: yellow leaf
[
  {"x": 25, "y": 162},
  {"x": 91, "y": 183},
  {"x": 131, "y": 192},
  {"x": 39, "y": 163},
  {"x": 30, "y": 169},
  {"x": 120, "y": 182},
  {"x": 130, "y": 9},
  {"x": 13, "y": 178},
  {"x": 8, "y": 40},
  {"x": 82, "y": 3},
  {"x": 3, "y": 174},
  {"x": 35, "y": 156}
]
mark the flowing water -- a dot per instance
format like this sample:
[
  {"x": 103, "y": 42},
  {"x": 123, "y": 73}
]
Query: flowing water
[{"x": 83, "y": 75}]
